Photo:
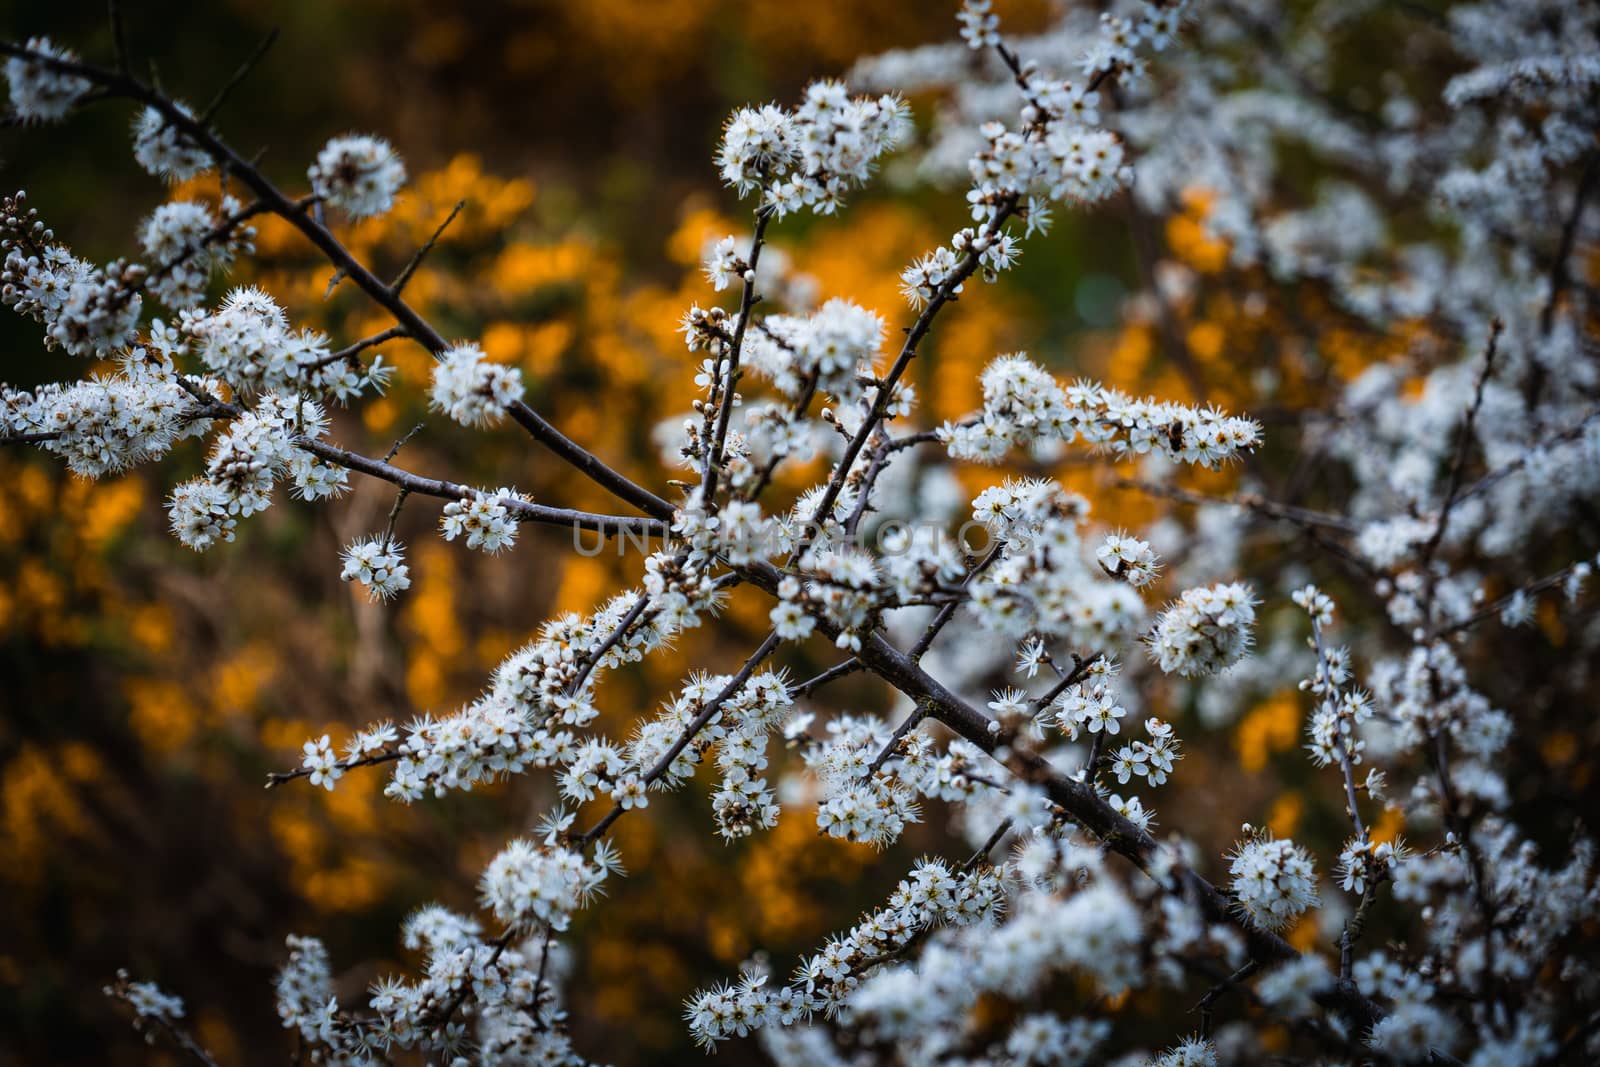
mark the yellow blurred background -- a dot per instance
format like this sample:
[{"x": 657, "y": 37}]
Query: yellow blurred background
[{"x": 148, "y": 691}]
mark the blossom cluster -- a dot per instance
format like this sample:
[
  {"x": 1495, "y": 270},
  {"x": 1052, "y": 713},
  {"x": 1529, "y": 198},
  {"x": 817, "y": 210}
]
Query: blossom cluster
[
  {"x": 40, "y": 93},
  {"x": 932, "y": 895},
  {"x": 189, "y": 241},
  {"x": 1057, "y": 151},
  {"x": 379, "y": 564},
  {"x": 358, "y": 174},
  {"x": 1273, "y": 881},
  {"x": 245, "y": 464},
  {"x": 249, "y": 343},
  {"x": 1023, "y": 404},
  {"x": 85, "y": 309},
  {"x": 811, "y": 156},
  {"x": 485, "y": 520},
  {"x": 471, "y": 390},
  {"x": 1206, "y": 630},
  {"x": 149, "y": 1002},
  {"x": 165, "y": 149},
  {"x": 530, "y": 885},
  {"x": 1465, "y": 458},
  {"x": 834, "y": 348}
]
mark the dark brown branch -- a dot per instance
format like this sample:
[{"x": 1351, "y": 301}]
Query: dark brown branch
[
  {"x": 356, "y": 349},
  {"x": 299, "y": 215},
  {"x": 1080, "y": 803},
  {"x": 588, "y": 463},
  {"x": 1463, "y": 445},
  {"x": 610, "y": 525},
  {"x": 848, "y": 667}
]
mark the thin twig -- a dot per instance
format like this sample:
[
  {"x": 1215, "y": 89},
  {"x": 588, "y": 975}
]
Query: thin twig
[
  {"x": 394, "y": 517},
  {"x": 946, "y": 613},
  {"x": 710, "y": 711},
  {"x": 1355, "y": 925},
  {"x": 539, "y": 1022},
  {"x": 1560, "y": 272},
  {"x": 982, "y": 855},
  {"x": 807, "y": 393},
  {"x": 910, "y": 723},
  {"x": 399, "y": 284},
  {"x": 610, "y": 525},
  {"x": 747, "y": 303},
  {"x": 623, "y": 627},
  {"x": 1534, "y": 588},
  {"x": 394, "y": 450},
  {"x": 849, "y": 666},
  {"x": 119, "y": 37},
  {"x": 1255, "y": 502},
  {"x": 1206, "y": 1005},
  {"x": 238, "y": 76},
  {"x": 884, "y": 394},
  {"x": 356, "y": 349},
  {"x": 1463, "y": 444},
  {"x": 277, "y": 778}
]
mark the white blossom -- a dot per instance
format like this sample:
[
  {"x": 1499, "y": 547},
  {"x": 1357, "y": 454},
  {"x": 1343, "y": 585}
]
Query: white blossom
[
  {"x": 358, "y": 174},
  {"x": 38, "y": 93},
  {"x": 472, "y": 390},
  {"x": 379, "y": 564},
  {"x": 1205, "y": 630},
  {"x": 1273, "y": 881}
]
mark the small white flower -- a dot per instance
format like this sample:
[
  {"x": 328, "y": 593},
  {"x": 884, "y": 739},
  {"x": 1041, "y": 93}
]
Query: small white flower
[
  {"x": 379, "y": 564},
  {"x": 322, "y": 763}
]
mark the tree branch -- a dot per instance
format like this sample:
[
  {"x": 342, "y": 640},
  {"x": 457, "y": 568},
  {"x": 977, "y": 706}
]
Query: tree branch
[{"x": 301, "y": 218}]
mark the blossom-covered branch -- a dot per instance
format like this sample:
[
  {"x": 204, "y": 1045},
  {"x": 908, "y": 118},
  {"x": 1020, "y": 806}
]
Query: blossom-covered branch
[{"x": 1473, "y": 440}]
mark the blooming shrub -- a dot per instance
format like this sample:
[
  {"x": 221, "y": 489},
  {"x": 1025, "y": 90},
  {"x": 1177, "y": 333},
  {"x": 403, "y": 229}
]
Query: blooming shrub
[{"x": 1479, "y": 440}]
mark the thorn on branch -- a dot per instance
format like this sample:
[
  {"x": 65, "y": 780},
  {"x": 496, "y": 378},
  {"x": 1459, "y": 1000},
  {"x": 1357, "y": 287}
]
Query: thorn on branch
[
  {"x": 238, "y": 76},
  {"x": 119, "y": 38},
  {"x": 360, "y": 346},
  {"x": 982, "y": 855},
  {"x": 399, "y": 283},
  {"x": 1206, "y": 1005},
  {"x": 338, "y": 275},
  {"x": 394, "y": 516},
  {"x": 398, "y": 445},
  {"x": 849, "y": 666}
]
